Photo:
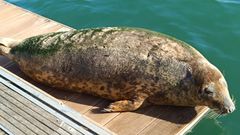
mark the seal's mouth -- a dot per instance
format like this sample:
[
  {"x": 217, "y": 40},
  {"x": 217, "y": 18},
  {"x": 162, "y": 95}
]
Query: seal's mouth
[
  {"x": 224, "y": 110},
  {"x": 219, "y": 111},
  {"x": 216, "y": 112},
  {"x": 225, "y": 107}
]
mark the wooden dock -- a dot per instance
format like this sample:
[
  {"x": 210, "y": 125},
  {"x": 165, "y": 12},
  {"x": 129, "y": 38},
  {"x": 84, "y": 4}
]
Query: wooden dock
[{"x": 19, "y": 23}]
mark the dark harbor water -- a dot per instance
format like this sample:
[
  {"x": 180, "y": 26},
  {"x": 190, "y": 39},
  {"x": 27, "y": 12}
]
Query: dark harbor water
[{"x": 212, "y": 27}]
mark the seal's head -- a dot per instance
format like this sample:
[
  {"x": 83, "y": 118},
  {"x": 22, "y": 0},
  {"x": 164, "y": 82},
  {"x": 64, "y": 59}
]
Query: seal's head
[
  {"x": 202, "y": 84},
  {"x": 214, "y": 89}
]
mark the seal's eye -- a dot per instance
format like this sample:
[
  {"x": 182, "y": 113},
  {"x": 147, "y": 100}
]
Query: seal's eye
[{"x": 208, "y": 92}]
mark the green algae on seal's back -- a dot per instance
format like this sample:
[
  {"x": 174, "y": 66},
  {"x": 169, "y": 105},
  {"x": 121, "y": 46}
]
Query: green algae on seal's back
[
  {"x": 127, "y": 65},
  {"x": 50, "y": 43}
]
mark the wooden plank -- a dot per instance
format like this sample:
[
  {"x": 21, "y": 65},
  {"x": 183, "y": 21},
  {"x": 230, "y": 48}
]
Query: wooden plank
[
  {"x": 2, "y": 132},
  {"x": 13, "y": 121},
  {"x": 5, "y": 10},
  {"x": 82, "y": 102},
  {"x": 10, "y": 126},
  {"x": 23, "y": 23},
  {"x": 9, "y": 99},
  {"x": 5, "y": 130},
  {"x": 58, "y": 122},
  {"x": 29, "y": 117},
  {"x": 174, "y": 121},
  {"x": 201, "y": 112},
  {"x": 168, "y": 120},
  {"x": 22, "y": 120},
  {"x": 133, "y": 121},
  {"x": 99, "y": 117},
  {"x": 16, "y": 26},
  {"x": 40, "y": 111}
]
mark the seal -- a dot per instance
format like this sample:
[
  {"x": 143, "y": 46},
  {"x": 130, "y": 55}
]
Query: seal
[{"x": 130, "y": 66}]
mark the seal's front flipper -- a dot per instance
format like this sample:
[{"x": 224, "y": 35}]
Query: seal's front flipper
[{"x": 125, "y": 105}]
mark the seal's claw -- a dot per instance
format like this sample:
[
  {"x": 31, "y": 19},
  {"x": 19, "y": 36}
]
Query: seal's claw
[
  {"x": 106, "y": 110},
  {"x": 111, "y": 108}
]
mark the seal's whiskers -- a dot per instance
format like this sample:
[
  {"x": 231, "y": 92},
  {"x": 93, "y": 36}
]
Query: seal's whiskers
[
  {"x": 233, "y": 99},
  {"x": 213, "y": 114}
]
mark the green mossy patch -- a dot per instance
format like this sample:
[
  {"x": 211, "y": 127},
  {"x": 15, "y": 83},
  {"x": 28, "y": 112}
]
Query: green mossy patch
[{"x": 33, "y": 46}]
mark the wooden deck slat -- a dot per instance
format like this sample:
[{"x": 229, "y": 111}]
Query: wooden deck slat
[
  {"x": 19, "y": 23},
  {"x": 26, "y": 115},
  {"x": 133, "y": 121},
  {"x": 22, "y": 120},
  {"x": 16, "y": 26},
  {"x": 13, "y": 100},
  {"x": 82, "y": 102},
  {"x": 2, "y": 132},
  {"x": 99, "y": 117},
  {"x": 41, "y": 30},
  {"x": 10, "y": 126},
  {"x": 28, "y": 109},
  {"x": 23, "y": 24},
  {"x": 11, "y": 119},
  {"x": 159, "y": 123},
  {"x": 40, "y": 111},
  {"x": 4, "y": 8},
  {"x": 7, "y": 99}
]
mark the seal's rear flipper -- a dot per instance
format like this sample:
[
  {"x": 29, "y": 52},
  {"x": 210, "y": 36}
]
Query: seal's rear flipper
[{"x": 6, "y": 44}]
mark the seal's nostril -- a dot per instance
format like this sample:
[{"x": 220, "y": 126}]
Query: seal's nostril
[
  {"x": 229, "y": 106},
  {"x": 230, "y": 109}
]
